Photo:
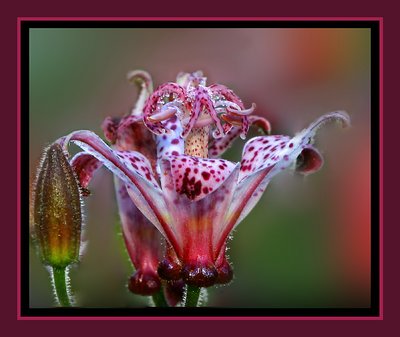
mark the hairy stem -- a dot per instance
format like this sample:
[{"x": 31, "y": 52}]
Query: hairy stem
[
  {"x": 61, "y": 286},
  {"x": 192, "y": 296}
]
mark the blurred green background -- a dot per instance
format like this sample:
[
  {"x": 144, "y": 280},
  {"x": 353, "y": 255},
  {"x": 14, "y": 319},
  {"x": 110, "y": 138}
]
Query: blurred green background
[{"x": 307, "y": 242}]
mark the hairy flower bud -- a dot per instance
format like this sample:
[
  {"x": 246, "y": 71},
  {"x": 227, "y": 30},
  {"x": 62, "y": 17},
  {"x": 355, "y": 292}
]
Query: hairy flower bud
[{"x": 57, "y": 210}]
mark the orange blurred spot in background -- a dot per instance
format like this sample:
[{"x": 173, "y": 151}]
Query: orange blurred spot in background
[{"x": 351, "y": 247}]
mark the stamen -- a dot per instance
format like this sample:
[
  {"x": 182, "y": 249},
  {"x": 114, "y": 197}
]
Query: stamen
[
  {"x": 141, "y": 78},
  {"x": 220, "y": 110},
  {"x": 262, "y": 123},
  {"x": 163, "y": 114},
  {"x": 201, "y": 122},
  {"x": 198, "y": 108},
  {"x": 217, "y": 134},
  {"x": 232, "y": 119},
  {"x": 203, "y": 103},
  {"x": 244, "y": 112},
  {"x": 227, "y": 104},
  {"x": 143, "y": 81},
  {"x": 155, "y": 100}
]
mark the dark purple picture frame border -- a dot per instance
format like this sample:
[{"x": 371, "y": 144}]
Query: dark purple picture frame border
[{"x": 388, "y": 131}]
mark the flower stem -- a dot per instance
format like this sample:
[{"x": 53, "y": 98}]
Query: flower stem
[
  {"x": 61, "y": 286},
  {"x": 192, "y": 296},
  {"x": 159, "y": 299}
]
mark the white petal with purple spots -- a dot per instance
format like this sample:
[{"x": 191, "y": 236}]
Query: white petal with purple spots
[
  {"x": 146, "y": 195},
  {"x": 196, "y": 177},
  {"x": 264, "y": 157},
  {"x": 139, "y": 164},
  {"x": 264, "y": 152},
  {"x": 170, "y": 144}
]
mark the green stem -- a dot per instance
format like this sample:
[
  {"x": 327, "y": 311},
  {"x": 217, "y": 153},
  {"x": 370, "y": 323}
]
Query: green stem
[
  {"x": 159, "y": 299},
  {"x": 192, "y": 296},
  {"x": 61, "y": 287}
]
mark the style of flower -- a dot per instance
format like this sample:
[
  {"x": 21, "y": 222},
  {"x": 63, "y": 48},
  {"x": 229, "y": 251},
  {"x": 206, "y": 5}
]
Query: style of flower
[{"x": 191, "y": 196}]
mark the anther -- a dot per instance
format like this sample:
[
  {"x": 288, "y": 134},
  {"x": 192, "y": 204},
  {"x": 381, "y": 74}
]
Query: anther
[
  {"x": 163, "y": 114},
  {"x": 244, "y": 112}
]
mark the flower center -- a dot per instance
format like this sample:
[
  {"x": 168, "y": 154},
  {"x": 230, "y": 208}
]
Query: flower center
[{"x": 201, "y": 110}]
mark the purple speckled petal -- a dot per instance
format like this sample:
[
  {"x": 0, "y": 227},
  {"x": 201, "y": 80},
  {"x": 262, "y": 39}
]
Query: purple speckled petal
[
  {"x": 197, "y": 177},
  {"x": 85, "y": 166},
  {"x": 172, "y": 143},
  {"x": 280, "y": 152},
  {"x": 199, "y": 226},
  {"x": 264, "y": 157},
  {"x": 141, "y": 183},
  {"x": 143, "y": 242}
]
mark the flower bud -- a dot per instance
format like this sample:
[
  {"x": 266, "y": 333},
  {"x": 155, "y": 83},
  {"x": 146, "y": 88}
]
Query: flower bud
[{"x": 57, "y": 212}]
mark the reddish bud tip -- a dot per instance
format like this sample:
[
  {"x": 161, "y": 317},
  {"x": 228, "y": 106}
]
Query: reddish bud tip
[
  {"x": 225, "y": 273},
  {"x": 200, "y": 275},
  {"x": 144, "y": 283},
  {"x": 169, "y": 270}
]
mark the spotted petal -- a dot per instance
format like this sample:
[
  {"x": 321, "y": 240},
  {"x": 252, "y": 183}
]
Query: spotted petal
[
  {"x": 172, "y": 143},
  {"x": 264, "y": 157},
  {"x": 85, "y": 166},
  {"x": 196, "y": 177},
  {"x": 134, "y": 170},
  {"x": 143, "y": 242},
  {"x": 280, "y": 152},
  {"x": 142, "y": 239},
  {"x": 198, "y": 227}
]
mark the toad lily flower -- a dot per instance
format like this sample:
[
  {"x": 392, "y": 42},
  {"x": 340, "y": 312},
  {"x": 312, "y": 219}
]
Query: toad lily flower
[{"x": 192, "y": 197}]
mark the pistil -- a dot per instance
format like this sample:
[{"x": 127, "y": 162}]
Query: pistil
[{"x": 196, "y": 143}]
